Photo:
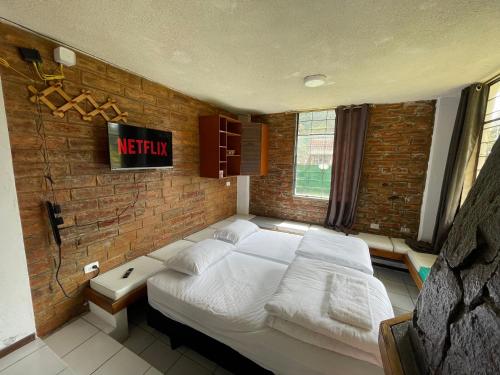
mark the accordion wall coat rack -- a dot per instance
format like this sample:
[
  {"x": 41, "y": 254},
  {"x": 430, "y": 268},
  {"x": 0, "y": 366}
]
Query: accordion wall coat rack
[{"x": 56, "y": 88}]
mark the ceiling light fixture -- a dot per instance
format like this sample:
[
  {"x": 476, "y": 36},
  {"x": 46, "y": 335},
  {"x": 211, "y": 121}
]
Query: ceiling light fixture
[{"x": 315, "y": 80}]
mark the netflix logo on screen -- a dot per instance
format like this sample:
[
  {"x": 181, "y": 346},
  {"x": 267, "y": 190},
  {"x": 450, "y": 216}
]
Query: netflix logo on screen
[
  {"x": 133, "y": 147},
  {"x": 141, "y": 146}
]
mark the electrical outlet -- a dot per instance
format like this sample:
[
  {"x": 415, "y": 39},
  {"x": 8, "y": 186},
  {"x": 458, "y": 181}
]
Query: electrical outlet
[
  {"x": 91, "y": 267},
  {"x": 405, "y": 230},
  {"x": 228, "y": 183},
  {"x": 375, "y": 226}
]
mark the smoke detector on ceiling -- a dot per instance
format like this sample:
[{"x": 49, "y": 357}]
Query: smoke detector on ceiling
[{"x": 315, "y": 80}]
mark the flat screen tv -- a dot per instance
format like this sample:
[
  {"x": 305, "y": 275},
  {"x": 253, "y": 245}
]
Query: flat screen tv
[{"x": 132, "y": 147}]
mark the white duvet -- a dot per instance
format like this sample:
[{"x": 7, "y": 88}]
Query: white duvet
[
  {"x": 335, "y": 248},
  {"x": 230, "y": 295},
  {"x": 299, "y": 308},
  {"x": 271, "y": 245}
]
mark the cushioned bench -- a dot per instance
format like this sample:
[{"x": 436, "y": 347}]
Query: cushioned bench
[
  {"x": 319, "y": 227},
  {"x": 221, "y": 224},
  {"x": 292, "y": 227},
  {"x": 210, "y": 230},
  {"x": 420, "y": 261},
  {"x": 114, "y": 286},
  {"x": 287, "y": 226},
  {"x": 241, "y": 217},
  {"x": 396, "y": 249},
  {"x": 109, "y": 294},
  {"x": 201, "y": 235},
  {"x": 376, "y": 241},
  {"x": 166, "y": 252}
]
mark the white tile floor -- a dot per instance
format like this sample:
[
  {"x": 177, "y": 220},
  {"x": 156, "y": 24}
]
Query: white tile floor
[
  {"x": 400, "y": 287},
  {"x": 34, "y": 358},
  {"x": 81, "y": 348}
]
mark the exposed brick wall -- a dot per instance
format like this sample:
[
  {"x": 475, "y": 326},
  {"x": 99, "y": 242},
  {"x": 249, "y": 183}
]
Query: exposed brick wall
[
  {"x": 394, "y": 168},
  {"x": 171, "y": 203},
  {"x": 397, "y": 147},
  {"x": 272, "y": 195}
]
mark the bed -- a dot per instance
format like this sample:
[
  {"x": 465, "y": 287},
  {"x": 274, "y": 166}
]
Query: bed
[
  {"x": 271, "y": 245},
  {"x": 226, "y": 304}
]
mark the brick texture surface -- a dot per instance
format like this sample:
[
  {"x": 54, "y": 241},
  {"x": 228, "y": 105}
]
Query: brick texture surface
[
  {"x": 169, "y": 204},
  {"x": 394, "y": 169}
]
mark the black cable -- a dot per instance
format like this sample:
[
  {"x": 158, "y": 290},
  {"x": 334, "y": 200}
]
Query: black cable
[
  {"x": 40, "y": 129},
  {"x": 78, "y": 290}
]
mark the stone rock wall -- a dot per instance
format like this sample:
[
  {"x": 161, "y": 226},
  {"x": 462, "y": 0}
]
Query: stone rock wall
[{"x": 457, "y": 316}]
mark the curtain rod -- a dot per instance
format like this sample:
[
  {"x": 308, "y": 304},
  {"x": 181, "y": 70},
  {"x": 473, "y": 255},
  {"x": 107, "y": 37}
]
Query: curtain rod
[
  {"x": 495, "y": 77},
  {"x": 326, "y": 109},
  {"x": 355, "y": 106}
]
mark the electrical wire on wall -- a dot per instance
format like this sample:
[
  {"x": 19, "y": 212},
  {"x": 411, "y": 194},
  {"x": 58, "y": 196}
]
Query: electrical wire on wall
[
  {"x": 47, "y": 174},
  {"x": 50, "y": 181},
  {"x": 37, "y": 72},
  {"x": 48, "y": 77}
]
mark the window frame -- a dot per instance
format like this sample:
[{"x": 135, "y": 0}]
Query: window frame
[
  {"x": 295, "y": 144},
  {"x": 480, "y": 138}
]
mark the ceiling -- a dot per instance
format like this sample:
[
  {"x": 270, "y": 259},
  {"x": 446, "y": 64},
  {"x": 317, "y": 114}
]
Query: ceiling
[{"x": 251, "y": 56}]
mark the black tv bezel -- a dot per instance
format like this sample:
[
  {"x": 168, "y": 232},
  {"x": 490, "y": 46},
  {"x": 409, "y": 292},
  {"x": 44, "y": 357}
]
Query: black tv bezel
[{"x": 109, "y": 123}]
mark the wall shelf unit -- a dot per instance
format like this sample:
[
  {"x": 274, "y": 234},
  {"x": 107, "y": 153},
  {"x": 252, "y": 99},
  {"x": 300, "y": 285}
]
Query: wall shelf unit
[
  {"x": 218, "y": 135},
  {"x": 229, "y": 147}
]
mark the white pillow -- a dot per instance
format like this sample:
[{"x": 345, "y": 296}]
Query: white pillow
[
  {"x": 236, "y": 231},
  {"x": 197, "y": 258}
]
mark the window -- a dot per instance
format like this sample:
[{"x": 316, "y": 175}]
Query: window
[
  {"x": 314, "y": 153},
  {"x": 491, "y": 127}
]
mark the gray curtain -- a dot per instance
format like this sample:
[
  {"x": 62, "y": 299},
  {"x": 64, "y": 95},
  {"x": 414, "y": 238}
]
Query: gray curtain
[
  {"x": 468, "y": 127},
  {"x": 350, "y": 131}
]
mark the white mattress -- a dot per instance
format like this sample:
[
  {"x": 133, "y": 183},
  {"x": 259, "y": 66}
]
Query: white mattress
[
  {"x": 271, "y": 245},
  {"x": 227, "y": 303}
]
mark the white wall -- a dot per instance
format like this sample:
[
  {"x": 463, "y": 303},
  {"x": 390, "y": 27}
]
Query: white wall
[
  {"x": 16, "y": 310},
  {"x": 243, "y": 198},
  {"x": 446, "y": 111},
  {"x": 243, "y": 185}
]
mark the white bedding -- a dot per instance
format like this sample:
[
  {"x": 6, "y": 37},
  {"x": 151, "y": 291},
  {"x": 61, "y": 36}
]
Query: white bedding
[
  {"x": 348, "y": 301},
  {"x": 227, "y": 303},
  {"x": 342, "y": 250},
  {"x": 229, "y": 296},
  {"x": 278, "y": 352},
  {"x": 302, "y": 299},
  {"x": 271, "y": 245}
]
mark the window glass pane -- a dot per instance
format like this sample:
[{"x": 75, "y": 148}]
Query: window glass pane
[
  {"x": 314, "y": 153},
  {"x": 492, "y": 124},
  {"x": 491, "y": 128}
]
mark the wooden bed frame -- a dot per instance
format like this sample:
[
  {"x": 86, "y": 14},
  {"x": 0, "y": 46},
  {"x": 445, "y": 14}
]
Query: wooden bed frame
[
  {"x": 114, "y": 306},
  {"x": 181, "y": 334},
  {"x": 387, "y": 345}
]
